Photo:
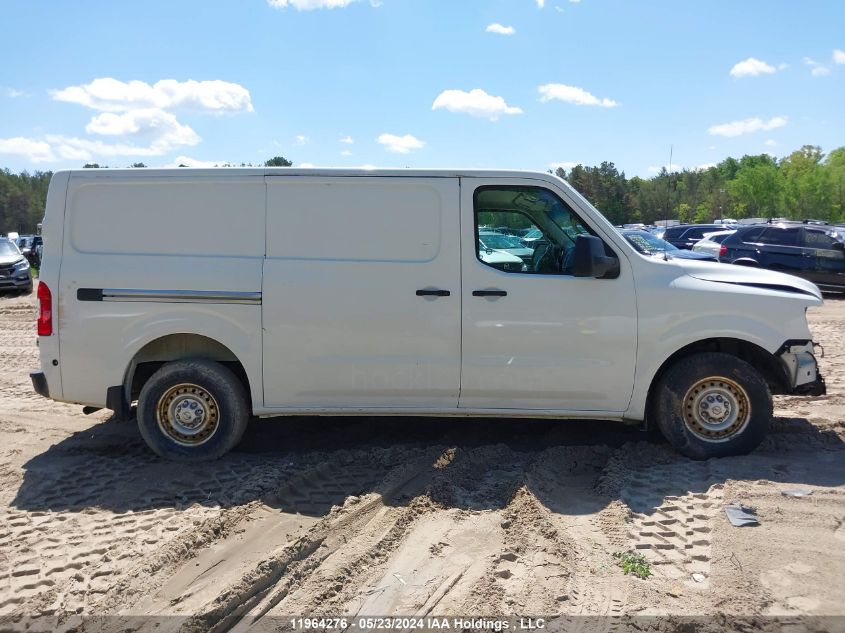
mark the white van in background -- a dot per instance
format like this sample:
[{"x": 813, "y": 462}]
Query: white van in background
[{"x": 210, "y": 295}]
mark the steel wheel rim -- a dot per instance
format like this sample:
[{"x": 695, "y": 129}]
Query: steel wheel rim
[
  {"x": 716, "y": 409},
  {"x": 188, "y": 414}
]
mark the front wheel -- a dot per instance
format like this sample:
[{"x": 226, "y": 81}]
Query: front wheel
[
  {"x": 192, "y": 410},
  {"x": 713, "y": 405}
]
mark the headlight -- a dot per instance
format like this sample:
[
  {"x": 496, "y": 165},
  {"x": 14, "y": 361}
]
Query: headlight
[{"x": 21, "y": 265}]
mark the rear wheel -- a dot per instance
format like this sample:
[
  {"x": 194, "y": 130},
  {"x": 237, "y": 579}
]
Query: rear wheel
[
  {"x": 192, "y": 410},
  {"x": 713, "y": 405}
]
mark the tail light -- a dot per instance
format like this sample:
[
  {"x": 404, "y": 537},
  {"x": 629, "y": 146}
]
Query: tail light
[
  {"x": 722, "y": 250},
  {"x": 45, "y": 310}
]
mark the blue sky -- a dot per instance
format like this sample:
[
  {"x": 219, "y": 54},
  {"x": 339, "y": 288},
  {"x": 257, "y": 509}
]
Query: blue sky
[{"x": 418, "y": 83}]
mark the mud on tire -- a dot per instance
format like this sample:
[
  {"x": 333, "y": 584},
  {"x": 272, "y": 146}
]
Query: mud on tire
[
  {"x": 192, "y": 410},
  {"x": 712, "y": 405}
]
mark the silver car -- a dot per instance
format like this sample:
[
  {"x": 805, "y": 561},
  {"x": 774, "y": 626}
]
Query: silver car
[{"x": 711, "y": 243}]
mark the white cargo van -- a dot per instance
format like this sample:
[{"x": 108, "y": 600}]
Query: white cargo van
[{"x": 207, "y": 296}]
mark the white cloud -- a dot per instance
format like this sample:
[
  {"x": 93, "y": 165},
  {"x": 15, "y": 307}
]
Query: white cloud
[
  {"x": 704, "y": 166},
  {"x": 32, "y": 150},
  {"x": 346, "y": 152},
  {"x": 400, "y": 144},
  {"x": 301, "y": 139},
  {"x": 816, "y": 69},
  {"x": 112, "y": 95},
  {"x": 572, "y": 94},
  {"x": 136, "y": 114},
  {"x": 747, "y": 126},
  {"x": 838, "y": 56},
  {"x": 565, "y": 165},
  {"x": 306, "y": 165},
  {"x": 348, "y": 140},
  {"x": 14, "y": 93},
  {"x": 158, "y": 128},
  {"x": 475, "y": 102},
  {"x": 541, "y": 3},
  {"x": 770, "y": 142},
  {"x": 500, "y": 29},
  {"x": 575, "y": 1},
  {"x": 194, "y": 162},
  {"x": 74, "y": 148},
  {"x": 752, "y": 67},
  {"x": 310, "y": 5}
]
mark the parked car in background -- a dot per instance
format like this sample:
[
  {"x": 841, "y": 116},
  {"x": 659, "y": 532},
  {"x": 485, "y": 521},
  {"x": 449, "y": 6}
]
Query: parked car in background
[
  {"x": 502, "y": 260},
  {"x": 531, "y": 237},
  {"x": 814, "y": 252},
  {"x": 30, "y": 246},
  {"x": 23, "y": 242},
  {"x": 14, "y": 269},
  {"x": 686, "y": 235},
  {"x": 649, "y": 244},
  {"x": 505, "y": 243},
  {"x": 711, "y": 243}
]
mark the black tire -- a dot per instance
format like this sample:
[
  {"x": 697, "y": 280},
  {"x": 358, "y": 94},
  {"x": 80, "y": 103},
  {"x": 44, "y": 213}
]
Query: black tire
[
  {"x": 27, "y": 290},
  {"x": 220, "y": 410},
  {"x": 692, "y": 385}
]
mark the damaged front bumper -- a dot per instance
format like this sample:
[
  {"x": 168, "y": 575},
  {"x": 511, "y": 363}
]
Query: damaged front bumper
[{"x": 802, "y": 371}]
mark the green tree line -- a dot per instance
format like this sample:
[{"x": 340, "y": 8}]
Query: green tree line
[{"x": 805, "y": 184}]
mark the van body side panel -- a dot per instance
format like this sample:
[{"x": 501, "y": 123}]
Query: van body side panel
[
  {"x": 343, "y": 324},
  {"x": 702, "y": 310},
  {"x": 198, "y": 238},
  {"x": 52, "y": 229}
]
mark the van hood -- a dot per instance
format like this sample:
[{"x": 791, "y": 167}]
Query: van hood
[{"x": 748, "y": 276}]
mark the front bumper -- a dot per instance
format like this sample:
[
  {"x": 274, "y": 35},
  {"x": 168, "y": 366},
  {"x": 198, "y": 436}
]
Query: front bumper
[
  {"x": 802, "y": 371},
  {"x": 815, "y": 388},
  {"x": 15, "y": 281},
  {"x": 39, "y": 383}
]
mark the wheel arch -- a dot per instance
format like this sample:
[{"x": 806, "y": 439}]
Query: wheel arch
[
  {"x": 746, "y": 261},
  {"x": 179, "y": 346},
  {"x": 772, "y": 370}
]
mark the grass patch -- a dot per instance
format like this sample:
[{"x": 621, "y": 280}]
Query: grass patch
[{"x": 632, "y": 563}]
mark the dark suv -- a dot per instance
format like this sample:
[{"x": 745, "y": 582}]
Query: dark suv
[
  {"x": 685, "y": 235},
  {"x": 816, "y": 253}
]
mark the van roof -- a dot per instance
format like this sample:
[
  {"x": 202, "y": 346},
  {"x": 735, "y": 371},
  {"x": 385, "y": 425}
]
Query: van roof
[{"x": 308, "y": 171}]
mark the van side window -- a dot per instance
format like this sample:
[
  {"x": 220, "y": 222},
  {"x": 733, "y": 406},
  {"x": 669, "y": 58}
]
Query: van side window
[{"x": 525, "y": 230}]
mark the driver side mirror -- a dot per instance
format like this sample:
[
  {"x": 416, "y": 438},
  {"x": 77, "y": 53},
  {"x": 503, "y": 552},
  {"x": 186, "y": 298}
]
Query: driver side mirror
[{"x": 590, "y": 260}]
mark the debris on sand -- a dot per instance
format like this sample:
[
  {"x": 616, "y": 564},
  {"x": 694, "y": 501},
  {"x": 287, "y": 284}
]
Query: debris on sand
[{"x": 741, "y": 516}]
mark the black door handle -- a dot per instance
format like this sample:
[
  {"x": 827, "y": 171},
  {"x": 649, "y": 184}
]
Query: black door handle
[
  {"x": 433, "y": 293},
  {"x": 489, "y": 293}
]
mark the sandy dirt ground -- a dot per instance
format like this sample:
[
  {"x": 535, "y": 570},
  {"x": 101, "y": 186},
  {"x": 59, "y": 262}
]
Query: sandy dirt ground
[{"x": 363, "y": 516}]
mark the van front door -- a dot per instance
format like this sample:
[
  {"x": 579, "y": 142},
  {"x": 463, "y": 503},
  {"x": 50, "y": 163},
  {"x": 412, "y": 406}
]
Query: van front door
[
  {"x": 535, "y": 336},
  {"x": 361, "y": 293}
]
